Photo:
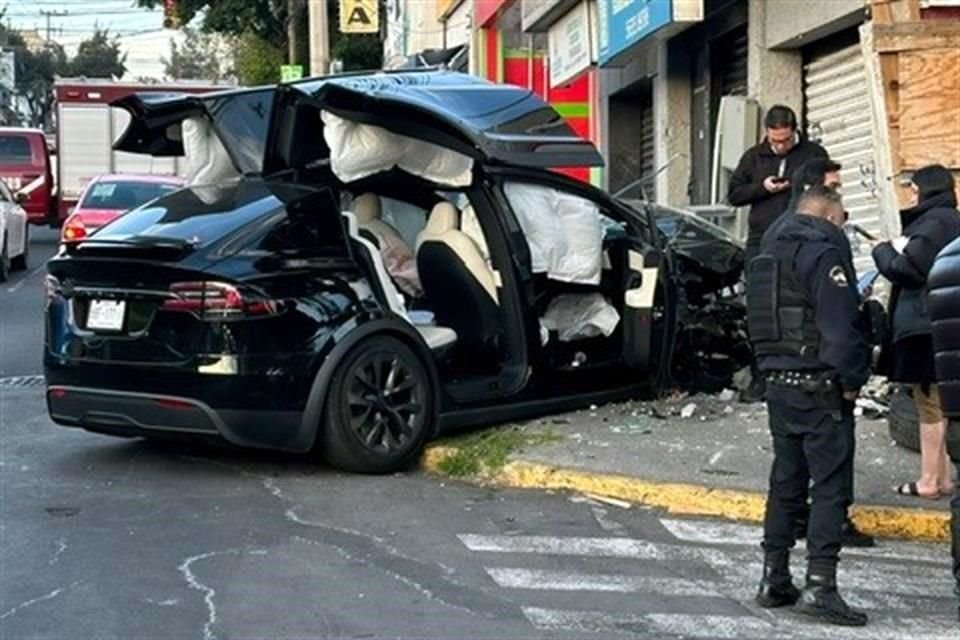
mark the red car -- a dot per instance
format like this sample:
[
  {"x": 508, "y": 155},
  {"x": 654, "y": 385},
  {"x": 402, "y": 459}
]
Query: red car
[
  {"x": 25, "y": 168},
  {"x": 107, "y": 197}
]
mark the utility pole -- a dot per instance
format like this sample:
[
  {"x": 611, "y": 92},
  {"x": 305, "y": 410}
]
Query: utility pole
[
  {"x": 294, "y": 11},
  {"x": 319, "y": 38},
  {"x": 49, "y": 15}
]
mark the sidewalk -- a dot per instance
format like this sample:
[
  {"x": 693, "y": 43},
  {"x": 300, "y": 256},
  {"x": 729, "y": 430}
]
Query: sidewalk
[{"x": 714, "y": 462}]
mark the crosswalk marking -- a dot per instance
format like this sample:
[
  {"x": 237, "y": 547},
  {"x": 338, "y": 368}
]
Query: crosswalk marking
[
  {"x": 735, "y": 534},
  {"x": 712, "y": 570},
  {"x": 695, "y": 626},
  {"x": 511, "y": 578}
]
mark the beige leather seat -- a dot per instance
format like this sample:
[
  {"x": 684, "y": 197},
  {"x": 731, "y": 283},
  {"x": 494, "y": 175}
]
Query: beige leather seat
[
  {"x": 438, "y": 339},
  {"x": 460, "y": 288},
  {"x": 397, "y": 256}
]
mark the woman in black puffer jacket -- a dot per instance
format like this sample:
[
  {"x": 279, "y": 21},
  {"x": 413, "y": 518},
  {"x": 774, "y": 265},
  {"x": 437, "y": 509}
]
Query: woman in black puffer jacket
[
  {"x": 944, "y": 303},
  {"x": 928, "y": 227}
]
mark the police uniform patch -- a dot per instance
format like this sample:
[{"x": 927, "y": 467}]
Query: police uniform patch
[{"x": 839, "y": 277}]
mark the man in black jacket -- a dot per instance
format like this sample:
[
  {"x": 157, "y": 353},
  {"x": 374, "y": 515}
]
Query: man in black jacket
[
  {"x": 762, "y": 178},
  {"x": 803, "y": 311}
]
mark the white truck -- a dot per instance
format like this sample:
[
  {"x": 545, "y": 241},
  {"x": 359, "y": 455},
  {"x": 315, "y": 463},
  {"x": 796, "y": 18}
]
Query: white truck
[{"x": 87, "y": 127}]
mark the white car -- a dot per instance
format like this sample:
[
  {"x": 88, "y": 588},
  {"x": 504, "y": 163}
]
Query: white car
[{"x": 14, "y": 234}]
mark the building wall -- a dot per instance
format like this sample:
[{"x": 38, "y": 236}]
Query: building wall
[
  {"x": 424, "y": 28},
  {"x": 773, "y": 77},
  {"x": 792, "y": 24}
]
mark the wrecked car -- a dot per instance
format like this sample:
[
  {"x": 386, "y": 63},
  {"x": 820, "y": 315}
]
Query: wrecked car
[{"x": 359, "y": 263}]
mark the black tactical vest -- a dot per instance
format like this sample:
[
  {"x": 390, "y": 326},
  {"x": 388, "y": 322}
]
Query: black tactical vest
[{"x": 780, "y": 318}]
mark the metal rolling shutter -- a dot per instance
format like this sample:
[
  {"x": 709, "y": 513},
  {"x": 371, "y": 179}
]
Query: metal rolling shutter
[
  {"x": 839, "y": 117},
  {"x": 732, "y": 69}
]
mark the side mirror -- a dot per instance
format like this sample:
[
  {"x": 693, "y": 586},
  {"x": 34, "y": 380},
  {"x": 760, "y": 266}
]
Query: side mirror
[{"x": 20, "y": 197}]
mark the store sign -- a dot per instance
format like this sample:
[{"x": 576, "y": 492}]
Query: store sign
[
  {"x": 623, "y": 23},
  {"x": 570, "y": 43},
  {"x": 290, "y": 72},
  {"x": 359, "y": 16}
]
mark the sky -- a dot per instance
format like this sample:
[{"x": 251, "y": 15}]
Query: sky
[{"x": 142, "y": 36}]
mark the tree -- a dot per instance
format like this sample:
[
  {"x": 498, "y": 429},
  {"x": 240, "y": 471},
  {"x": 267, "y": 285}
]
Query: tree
[
  {"x": 35, "y": 71},
  {"x": 199, "y": 56},
  {"x": 99, "y": 57},
  {"x": 256, "y": 61},
  {"x": 268, "y": 20}
]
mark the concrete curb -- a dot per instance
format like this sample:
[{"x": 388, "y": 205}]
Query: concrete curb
[{"x": 690, "y": 499}]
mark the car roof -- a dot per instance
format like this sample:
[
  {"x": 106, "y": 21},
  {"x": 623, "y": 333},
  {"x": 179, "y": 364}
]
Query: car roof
[{"x": 29, "y": 130}]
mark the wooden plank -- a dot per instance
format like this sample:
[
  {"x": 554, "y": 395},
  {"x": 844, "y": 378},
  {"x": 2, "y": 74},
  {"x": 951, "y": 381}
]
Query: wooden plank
[
  {"x": 929, "y": 97},
  {"x": 923, "y": 34},
  {"x": 885, "y": 159},
  {"x": 881, "y": 13}
]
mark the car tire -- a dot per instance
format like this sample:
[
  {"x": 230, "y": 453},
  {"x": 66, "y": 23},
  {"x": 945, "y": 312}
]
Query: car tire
[
  {"x": 903, "y": 421},
  {"x": 379, "y": 408},
  {"x": 4, "y": 261},
  {"x": 20, "y": 262}
]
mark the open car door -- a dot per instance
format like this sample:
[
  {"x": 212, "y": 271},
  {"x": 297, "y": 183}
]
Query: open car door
[
  {"x": 489, "y": 123},
  {"x": 237, "y": 119}
]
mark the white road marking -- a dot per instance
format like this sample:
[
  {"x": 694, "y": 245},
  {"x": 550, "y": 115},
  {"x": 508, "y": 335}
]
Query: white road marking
[
  {"x": 607, "y": 523},
  {"x": 795, "y": 628},
  {"x": 737, "y": 627},
  {"x": 744, "y": 564},
  {"x": 571, "y": 581},
  {"x": 732, "y": 533},
  {"x": 16, "y": 287}
]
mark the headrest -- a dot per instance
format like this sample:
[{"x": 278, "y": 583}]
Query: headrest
[
  {"x": 443, "y": 218},
  {"x": 366, "y": 207}
]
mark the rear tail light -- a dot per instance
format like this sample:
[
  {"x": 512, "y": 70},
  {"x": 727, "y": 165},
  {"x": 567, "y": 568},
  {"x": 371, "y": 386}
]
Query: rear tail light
[
  {"x": 219, "y": 301},
  {"x": 73, "y": 230}
]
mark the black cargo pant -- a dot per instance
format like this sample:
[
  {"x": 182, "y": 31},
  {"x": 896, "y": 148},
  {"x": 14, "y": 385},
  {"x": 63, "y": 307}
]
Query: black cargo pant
[
  {"x": 813, "y": 439},
  {"x": 953, "y": 448}
]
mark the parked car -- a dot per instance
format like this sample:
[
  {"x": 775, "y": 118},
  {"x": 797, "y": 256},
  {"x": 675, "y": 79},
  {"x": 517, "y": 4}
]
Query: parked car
[
  {"x": 26, "y": 168},
  {"x": 266, "y": 307},
  {"x": 14, "y": 233},
  {"x": 106, "y": 197}
]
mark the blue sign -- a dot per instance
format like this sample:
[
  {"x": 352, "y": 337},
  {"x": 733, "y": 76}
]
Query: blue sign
[{"x": 623, "y": 23}]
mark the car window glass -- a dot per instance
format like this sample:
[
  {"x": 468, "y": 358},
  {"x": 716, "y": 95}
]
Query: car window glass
[
  {"x": 242, "y": 121},
  {"x": 15, "y": 150},
  {"x": 123, "y": 195}
]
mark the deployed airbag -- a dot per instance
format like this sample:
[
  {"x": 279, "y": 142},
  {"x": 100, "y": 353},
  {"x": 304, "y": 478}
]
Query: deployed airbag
[
  {"x": 206, "y": 159},
  {"x": 359, "y": 150},
  {"x": 575, "y": 316},
  {"x": 563, "y": 231}
]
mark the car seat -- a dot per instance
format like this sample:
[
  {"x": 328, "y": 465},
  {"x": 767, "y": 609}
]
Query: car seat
[
  {"x": 438, "y": 339},
  {"x": 459, "y": 286}
]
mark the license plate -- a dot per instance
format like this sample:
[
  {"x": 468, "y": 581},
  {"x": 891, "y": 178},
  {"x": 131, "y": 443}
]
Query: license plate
[{"x": 106, "y": 315}]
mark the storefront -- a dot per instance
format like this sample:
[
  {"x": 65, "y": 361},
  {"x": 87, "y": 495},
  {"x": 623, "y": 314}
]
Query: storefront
[{"x": 506, "y": 52}]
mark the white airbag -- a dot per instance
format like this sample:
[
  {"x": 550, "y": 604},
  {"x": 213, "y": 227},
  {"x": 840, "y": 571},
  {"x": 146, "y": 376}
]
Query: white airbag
[
  {"x": 563, "y": 231},
  {"x": 359, "y": 150},
  {"x": 206, "y": 160},
  {"x": 575, "y": 316}
]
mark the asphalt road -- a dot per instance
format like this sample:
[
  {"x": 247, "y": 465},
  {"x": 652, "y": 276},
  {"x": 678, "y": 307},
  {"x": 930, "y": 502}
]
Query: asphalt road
[
  {"x": 125, "y": 539},
  {"x": 21, "y": 309}
]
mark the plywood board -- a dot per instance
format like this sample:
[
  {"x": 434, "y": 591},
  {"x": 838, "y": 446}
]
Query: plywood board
[
  {"x": 923, "y": 34},
  {"x": 929, "y": 101}
]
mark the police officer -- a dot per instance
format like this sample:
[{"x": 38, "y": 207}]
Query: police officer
[{"x": 803, "y": 312}]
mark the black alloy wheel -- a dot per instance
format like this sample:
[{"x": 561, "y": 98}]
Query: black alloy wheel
[
  {"x": 20, "y": 262},
  {"x": 379, "y": 408}
]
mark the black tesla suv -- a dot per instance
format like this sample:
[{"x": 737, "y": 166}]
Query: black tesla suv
[{"x": 361, "y": 262}]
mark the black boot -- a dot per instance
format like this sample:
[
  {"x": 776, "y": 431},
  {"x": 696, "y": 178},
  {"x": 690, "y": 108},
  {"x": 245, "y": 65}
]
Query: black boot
[
  {"x": 776, "y": 587},
  {"x": 850, "y": 536},
  {"x": 821, "y": 601}
]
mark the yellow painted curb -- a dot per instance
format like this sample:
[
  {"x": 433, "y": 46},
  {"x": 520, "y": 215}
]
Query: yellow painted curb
[{"x": 690, "y": 499}]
